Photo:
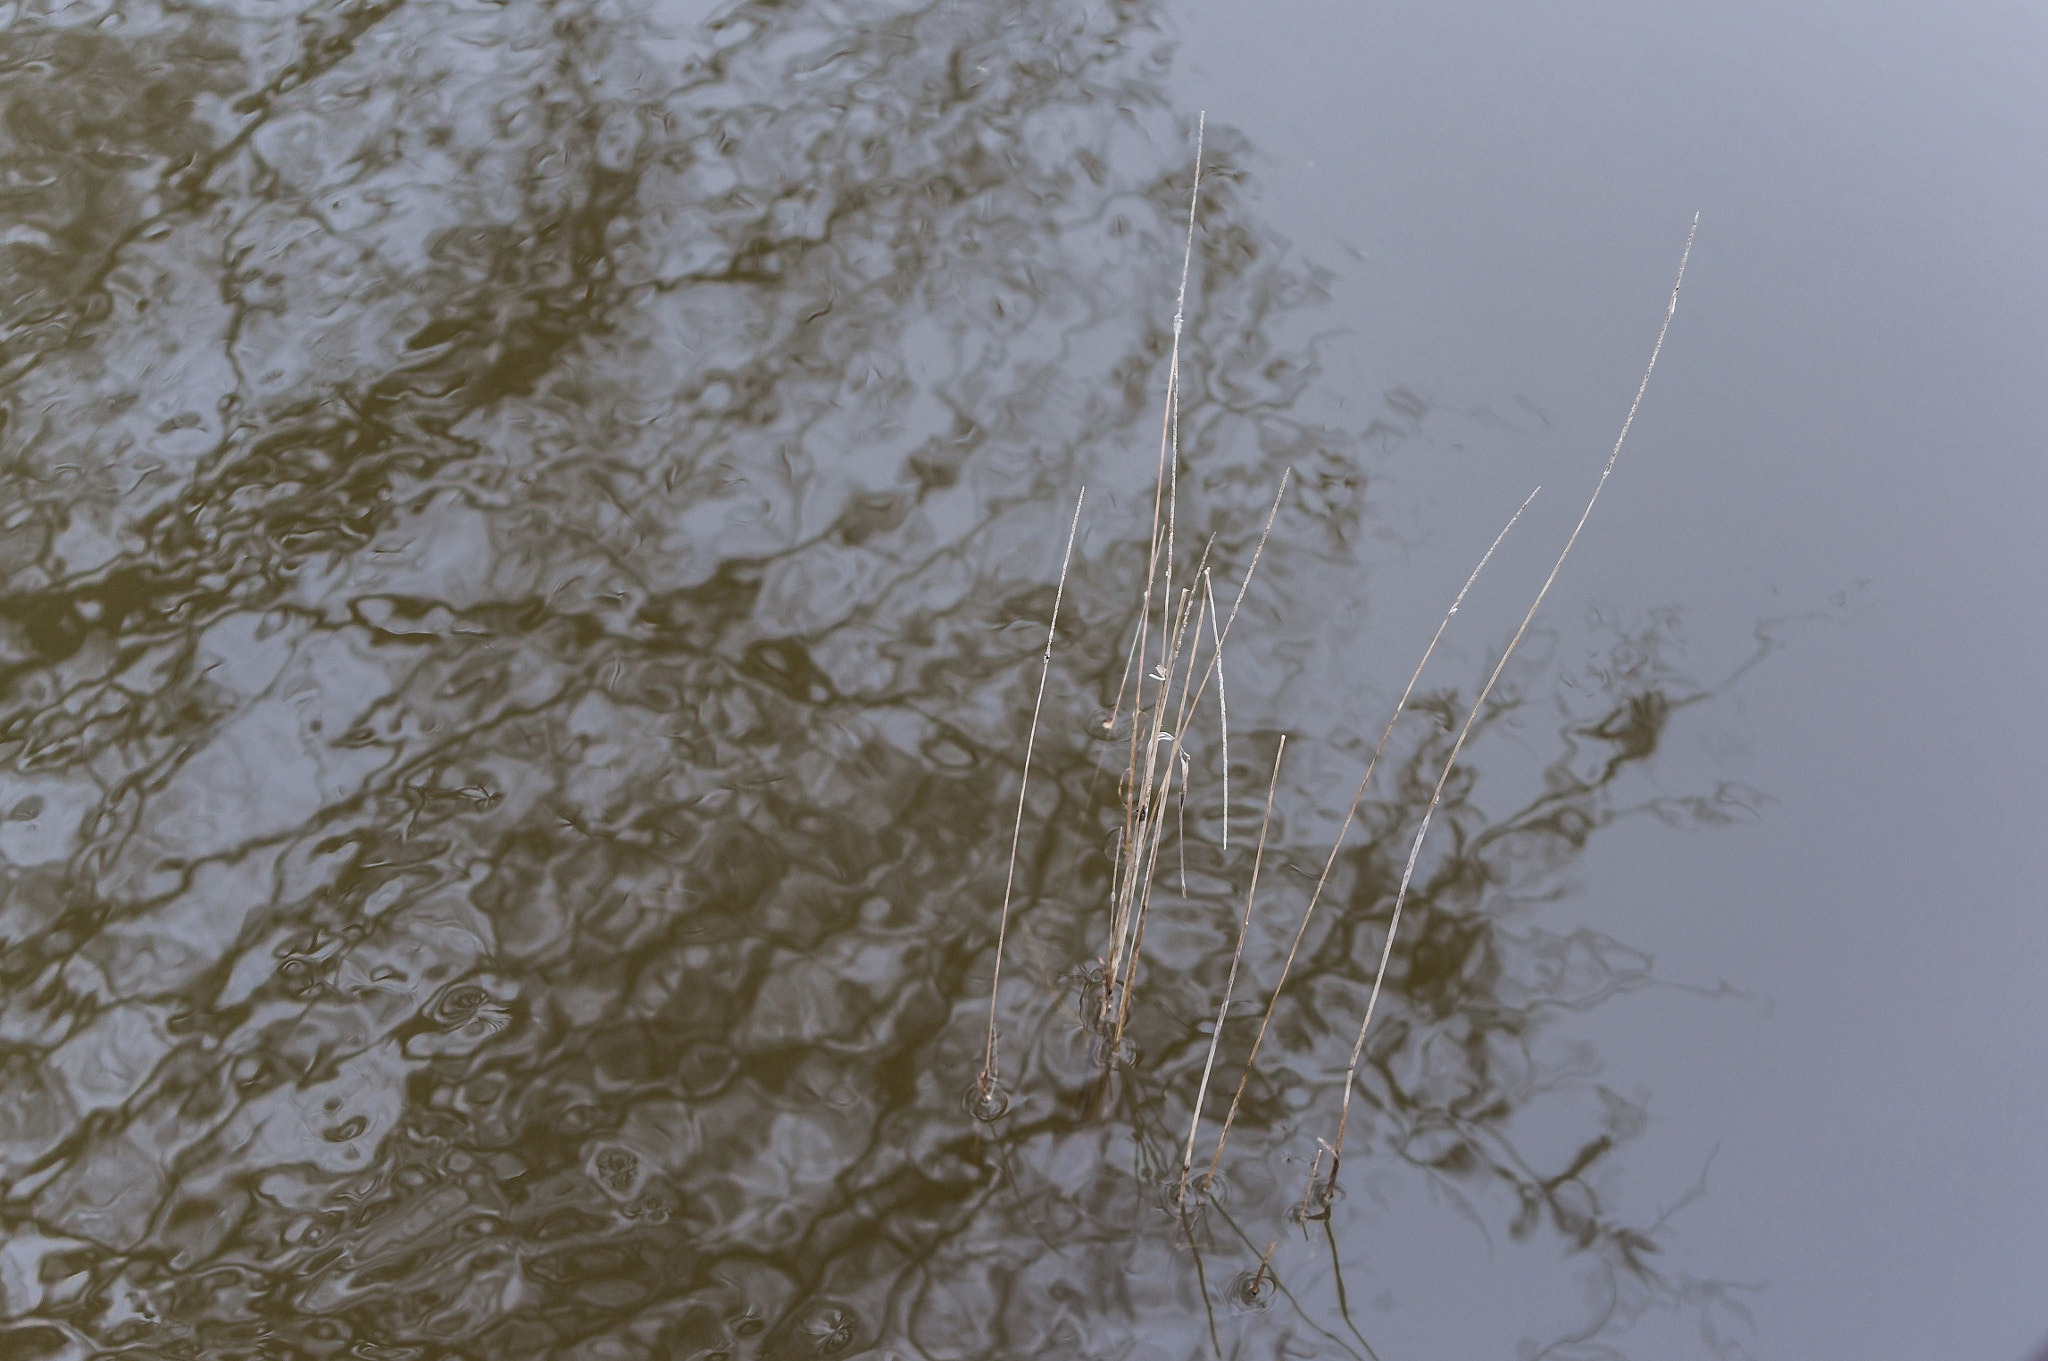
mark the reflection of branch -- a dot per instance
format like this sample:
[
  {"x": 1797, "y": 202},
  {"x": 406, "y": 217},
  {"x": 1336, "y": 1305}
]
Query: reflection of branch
[
  {"x": 185, "y": 182},
  {"x": 853, "y": 865}
]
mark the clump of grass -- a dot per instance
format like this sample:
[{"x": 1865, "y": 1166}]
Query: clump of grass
[
  {"x": 1167, "y": 671},
  {"x": 1142, "y": 830},
  {"x": 1148, "y": 779},
  {"x": 1147, "y": 784}
]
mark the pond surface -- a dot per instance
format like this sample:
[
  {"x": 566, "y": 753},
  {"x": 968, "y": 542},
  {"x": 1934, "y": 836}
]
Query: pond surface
[{"x": 529, "y": 535}]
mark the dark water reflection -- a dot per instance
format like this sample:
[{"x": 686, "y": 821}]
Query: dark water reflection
[{"x": 526, "y": 530}]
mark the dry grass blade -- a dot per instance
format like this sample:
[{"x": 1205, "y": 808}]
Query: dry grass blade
[
  {"x": 1187, "y": 1156},
  {"x": 986, "y": 1082},
  {"x": 1472, "y": 717},
  {"x": 1180, "y": 805},
  {"x": 1222, "y": 706},
  {"x": 1400, "y": 707},
  {"x": 1159, "y": 555}
]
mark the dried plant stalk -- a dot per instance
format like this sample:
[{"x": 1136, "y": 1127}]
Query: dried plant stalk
[
  {"x": 1222, "y": 706},
  {"x": 986, "y": 1082},
  {"x": 1472, "y": 717},
  {"x": 1400, "y": 707},
  {"x": 1251, "y": 894},
  {"x": 1138, "y": 848}
]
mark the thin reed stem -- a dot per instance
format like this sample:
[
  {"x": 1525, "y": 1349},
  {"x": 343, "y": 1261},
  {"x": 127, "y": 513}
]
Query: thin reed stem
[
  {"x": 1169, "y": 450},
  {"x": 1259, "y": 1277},
  {"x": 1177, "y": 755},
  {"x": 1187, "y": 1156},
  {"x": 1222, "y": 706},
  {"x": 987, "y": 1079},
  {"x": 1472, "y": 717},
  {"x": 1350, "y": 813},
  {"x": 1154, "y": 826},
  {"x": 1180, "y": 806}
]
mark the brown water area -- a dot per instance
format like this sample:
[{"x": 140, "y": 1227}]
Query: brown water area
[{"x": 528, "y": 533}]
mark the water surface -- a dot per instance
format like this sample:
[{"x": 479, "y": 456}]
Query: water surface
[{"x": 529, "y": 534}]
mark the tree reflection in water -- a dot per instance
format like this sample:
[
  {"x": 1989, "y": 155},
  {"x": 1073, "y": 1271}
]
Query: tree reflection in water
[{"x": 524, "y": 529}]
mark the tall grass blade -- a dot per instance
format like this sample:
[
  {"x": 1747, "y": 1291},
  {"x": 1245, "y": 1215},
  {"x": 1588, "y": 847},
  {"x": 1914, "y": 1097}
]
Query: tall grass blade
[
  {"x": 1222, "y": 706},
  {"x": 1244, "y": 926},
  {"x": 1472, "y": 717},
  {"x": 1400, "y": 707},
  {"x": 986, "y": 1082}
]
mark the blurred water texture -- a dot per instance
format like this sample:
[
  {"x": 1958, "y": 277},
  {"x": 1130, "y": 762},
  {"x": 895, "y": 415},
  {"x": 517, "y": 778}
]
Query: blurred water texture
[{"x": 526, "y": 534}]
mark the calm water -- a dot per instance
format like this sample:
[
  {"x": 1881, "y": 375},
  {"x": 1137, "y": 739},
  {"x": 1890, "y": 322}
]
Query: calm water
[{"x": 528, "y": 536}]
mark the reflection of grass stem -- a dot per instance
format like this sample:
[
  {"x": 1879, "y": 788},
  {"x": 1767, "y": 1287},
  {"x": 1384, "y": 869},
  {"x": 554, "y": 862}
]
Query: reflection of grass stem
[
  {"x": 1400, "y": 707},
  {"x": 1230, "y": 979},
  {"x": 1279, "y": 1282},
  {"x": 1202, "y": 1285},
  {"x": 986, "y": 1082},
  {"x": 1472, "y": 717},
  {"x": 1343, "y": 1297}
]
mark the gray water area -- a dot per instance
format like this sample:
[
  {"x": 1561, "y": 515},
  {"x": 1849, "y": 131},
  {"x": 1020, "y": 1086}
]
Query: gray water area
[
  {"x": 1846, "y": 430},
  {"x": 527, "y": 540}
]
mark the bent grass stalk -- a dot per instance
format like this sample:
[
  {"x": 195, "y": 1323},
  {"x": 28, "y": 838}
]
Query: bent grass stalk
[
  {"x": 986, "y": 1082},
  {"x": 1187, "y": 1156},
  {"x": 1472, "y": 717},
  {"x": 1400, "y": 707}
]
